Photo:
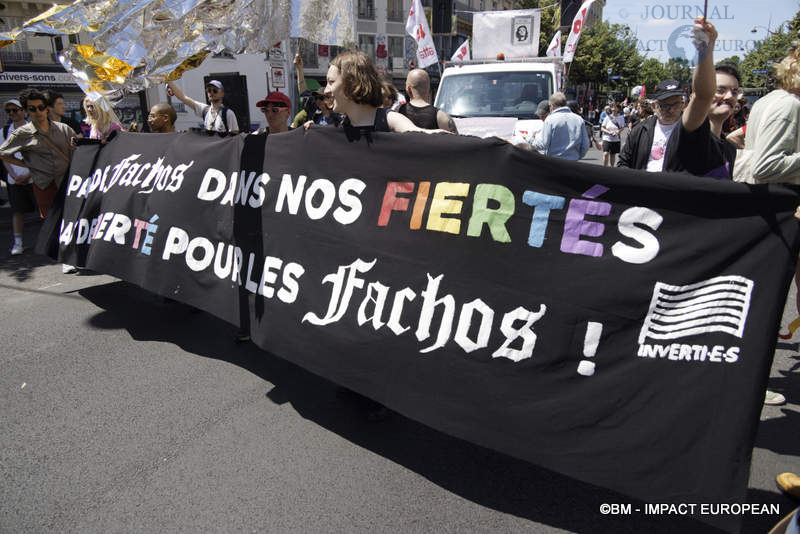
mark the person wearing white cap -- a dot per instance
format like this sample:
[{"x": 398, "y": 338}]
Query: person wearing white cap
[
  {"x": 20, "y": 190},
  {"x": 216, "y": 116}
]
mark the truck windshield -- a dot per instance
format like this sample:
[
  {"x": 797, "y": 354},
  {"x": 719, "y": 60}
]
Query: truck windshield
[{"x": 494, "y": 94}]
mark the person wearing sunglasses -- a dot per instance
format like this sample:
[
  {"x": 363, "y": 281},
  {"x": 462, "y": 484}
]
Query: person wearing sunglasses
[
  {"x": 275, "y": 108},
  {"x": 678, "y": 138},
  {"x": 216, "y": 116},
  {"x": 45, "y": 147},
  {"x": 315, "y": 107},
  {"x": 20, "y": 190}
]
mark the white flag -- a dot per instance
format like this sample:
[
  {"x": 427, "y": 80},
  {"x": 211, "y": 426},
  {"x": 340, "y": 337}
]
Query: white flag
[
  {"x": 513, "y": 33},
  {"x": 462, "y": 54},
  {"x": 417, "y": 27},
  {"x": 575, "y": 31},
  {"x": 554, "y": 50}
]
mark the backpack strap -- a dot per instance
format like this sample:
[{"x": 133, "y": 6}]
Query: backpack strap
[
  {"x": 223, "y": 111},
  {"x": 53, "y": 146},
  {"x": 225, "y": 118}
]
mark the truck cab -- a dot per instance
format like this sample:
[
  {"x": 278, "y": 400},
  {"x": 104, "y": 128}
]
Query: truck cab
[{"x": 479, "y": 95}]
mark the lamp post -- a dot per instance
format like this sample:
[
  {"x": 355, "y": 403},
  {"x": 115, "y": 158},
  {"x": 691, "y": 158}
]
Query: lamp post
[{"x": 768, "y": 27}]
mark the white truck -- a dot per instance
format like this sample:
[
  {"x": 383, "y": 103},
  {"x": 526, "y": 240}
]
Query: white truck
[{"x": 499, "y": 98}]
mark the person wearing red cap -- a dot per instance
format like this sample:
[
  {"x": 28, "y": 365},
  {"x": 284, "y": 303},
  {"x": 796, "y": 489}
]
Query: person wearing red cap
[
  {"x": 216, "y": 116},
  {"x": 275, "y": 107}
]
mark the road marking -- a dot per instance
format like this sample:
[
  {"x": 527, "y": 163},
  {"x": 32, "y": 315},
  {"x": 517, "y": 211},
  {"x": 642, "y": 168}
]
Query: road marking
[{"x": 51, "y": 285}]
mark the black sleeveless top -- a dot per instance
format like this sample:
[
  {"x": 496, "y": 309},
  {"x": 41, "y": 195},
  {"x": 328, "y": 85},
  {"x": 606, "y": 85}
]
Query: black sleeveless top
[
  {"x": 424, "y": 117},
  {"x": 354, "y": 133}
]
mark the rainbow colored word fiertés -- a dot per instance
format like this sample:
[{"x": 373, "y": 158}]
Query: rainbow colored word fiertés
[{"x": 445, "y": 208}]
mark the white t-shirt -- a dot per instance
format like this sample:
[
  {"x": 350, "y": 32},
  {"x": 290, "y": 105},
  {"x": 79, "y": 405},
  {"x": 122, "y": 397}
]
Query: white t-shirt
[
  {"x": 655, "y": 163},
  {"x": 213, "y": 120},
  {"x": 22, "y": 172},
  {"x": 614, "y": 124}
]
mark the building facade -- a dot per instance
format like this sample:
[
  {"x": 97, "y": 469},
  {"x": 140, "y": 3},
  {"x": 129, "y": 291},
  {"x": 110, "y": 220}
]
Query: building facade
[
  {"x": 380, "y": 33},
  {"x": 33, "y": 62}
]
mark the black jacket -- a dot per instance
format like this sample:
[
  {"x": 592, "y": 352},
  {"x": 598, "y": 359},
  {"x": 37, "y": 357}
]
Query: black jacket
[
  {"x": 636, "y": 151},
  {"x": 693, "y": 152}
]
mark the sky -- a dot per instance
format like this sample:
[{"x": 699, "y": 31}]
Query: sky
[{"x": 658, "y": 24}]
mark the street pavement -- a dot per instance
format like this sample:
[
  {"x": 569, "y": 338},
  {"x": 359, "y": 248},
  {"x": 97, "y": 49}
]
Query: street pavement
[{"x": 124, "y": 413}]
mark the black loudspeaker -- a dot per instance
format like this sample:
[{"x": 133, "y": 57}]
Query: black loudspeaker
[
  {"x": 442, "y": 16},
  {"x": 569, "y": 8}
]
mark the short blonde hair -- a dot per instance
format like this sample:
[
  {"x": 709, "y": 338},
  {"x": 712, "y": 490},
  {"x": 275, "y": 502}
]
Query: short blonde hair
[
  {"x": 360, "y": 79},
  {"x": 787, "y": 72}
]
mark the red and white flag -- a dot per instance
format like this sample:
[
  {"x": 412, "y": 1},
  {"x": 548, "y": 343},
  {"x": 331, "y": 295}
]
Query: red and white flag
[
  {"x": 417, "y": 27},
  {"x": 575, "y": 31},
  {"x": 554, "y": 50},
  {"x": 462, "y": 54}
]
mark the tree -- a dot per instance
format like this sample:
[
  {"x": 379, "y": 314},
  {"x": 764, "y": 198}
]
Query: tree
[
  {"x": 651, "y": 72},
  {"x": 602, "y": 47},
  {"x": 551, "y": 17},
  {"x": 794, "y": 24},
  {"x": 678, "y": 69},
  {"x": 733, "y": 60},
  {"x": 771, "y": 50}
]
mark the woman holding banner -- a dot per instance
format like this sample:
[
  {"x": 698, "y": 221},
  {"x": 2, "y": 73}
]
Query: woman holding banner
[
  {"x": 100, "y": 121},
  {"x": 357, "y": 93}
]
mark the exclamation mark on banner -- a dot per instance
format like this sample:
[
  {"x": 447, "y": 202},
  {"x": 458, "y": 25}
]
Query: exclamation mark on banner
[{"x": 590, "y": 342}]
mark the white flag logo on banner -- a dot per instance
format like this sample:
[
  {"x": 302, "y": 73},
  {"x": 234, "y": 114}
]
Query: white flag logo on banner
[
  {"x": 417, "y": 27},
  {"x": 554, "y": 50},
  {"x": 462, "y": 54},
  {"x": 719, "y": 304},
  {"x": 575, "y": 31}
]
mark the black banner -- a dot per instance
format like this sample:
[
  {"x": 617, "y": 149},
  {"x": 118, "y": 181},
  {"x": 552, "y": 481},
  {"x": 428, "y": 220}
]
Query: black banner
[{"x": 616, "y": 326}]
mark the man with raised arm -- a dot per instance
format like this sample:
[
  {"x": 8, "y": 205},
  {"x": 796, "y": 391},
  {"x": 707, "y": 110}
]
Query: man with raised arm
[
  {"x": 677, "y": 139},
  {"x": 216, "y": 116}
]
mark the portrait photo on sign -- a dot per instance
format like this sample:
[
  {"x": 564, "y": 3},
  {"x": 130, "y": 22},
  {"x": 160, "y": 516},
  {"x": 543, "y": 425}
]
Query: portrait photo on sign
[{"x": 522, "y": 30}]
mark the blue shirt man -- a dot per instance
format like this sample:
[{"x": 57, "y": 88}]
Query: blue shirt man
[
  {"x": 604, "y": 114},
  {"x": 563, "y": 134}
]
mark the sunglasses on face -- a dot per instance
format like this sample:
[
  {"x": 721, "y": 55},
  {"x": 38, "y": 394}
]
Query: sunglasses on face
[
  {"x": 40, "y": 107},
  {"x": 274, "y": 109},
  {"x": 13, "y": 110},
  {"x": 212, "y": 89}
]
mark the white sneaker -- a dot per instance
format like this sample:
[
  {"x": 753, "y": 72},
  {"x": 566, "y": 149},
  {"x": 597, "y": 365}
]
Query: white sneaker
[
  {"x": 773, "y": 398},
  {"x": 68, "y": 269},
  {"x": 16, "y": 249}
]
